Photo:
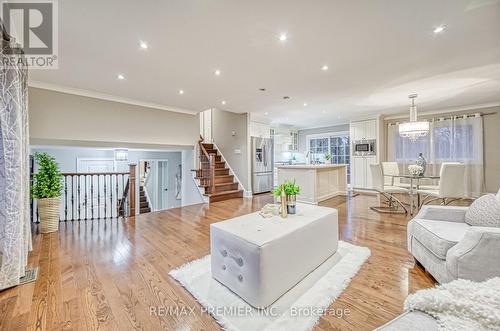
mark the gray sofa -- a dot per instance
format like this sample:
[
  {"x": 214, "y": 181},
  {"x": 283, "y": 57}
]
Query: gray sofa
[{"x": 448, "y": 248}]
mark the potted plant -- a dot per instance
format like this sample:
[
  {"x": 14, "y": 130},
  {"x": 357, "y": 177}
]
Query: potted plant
[
  {"x": 46, "y": 188},
  {"x": 328, "y": 157},
  {"x": 291, "y": 191}
]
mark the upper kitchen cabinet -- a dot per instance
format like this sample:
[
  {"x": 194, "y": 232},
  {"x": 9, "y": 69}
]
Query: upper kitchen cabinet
[
  {"x": 364, "y": 130},
  {"x": 260, "y": 130}
]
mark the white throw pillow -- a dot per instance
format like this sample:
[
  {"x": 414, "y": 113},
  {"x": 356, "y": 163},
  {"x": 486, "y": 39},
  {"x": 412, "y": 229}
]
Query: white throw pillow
[{"x": 484, "y": 211}]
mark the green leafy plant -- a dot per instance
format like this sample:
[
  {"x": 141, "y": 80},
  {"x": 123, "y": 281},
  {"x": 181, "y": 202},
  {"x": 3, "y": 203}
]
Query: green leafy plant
[
  {"x": 277, "y": 191},
  {"x": 47, "y": 182},
  {"x": 328, "y": 156},
  {"x": 291, "y": 188}
]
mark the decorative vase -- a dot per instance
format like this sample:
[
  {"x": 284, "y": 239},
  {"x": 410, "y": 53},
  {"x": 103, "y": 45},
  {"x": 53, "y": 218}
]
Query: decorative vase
[
  {"x": 422, "y": 162},
  {"x": 291, "y": 204},
  {"x": 283, "y": 207},
  {"x": 48, "y": 209}
]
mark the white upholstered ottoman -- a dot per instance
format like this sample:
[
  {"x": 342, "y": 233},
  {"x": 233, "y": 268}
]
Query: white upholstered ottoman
[{"x": 261, "y": 259}]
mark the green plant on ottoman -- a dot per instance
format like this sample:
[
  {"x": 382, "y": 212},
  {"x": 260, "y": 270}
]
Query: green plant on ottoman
[
  {"x": 291, "y": 191},
  {"x": 46, "y": 188}
]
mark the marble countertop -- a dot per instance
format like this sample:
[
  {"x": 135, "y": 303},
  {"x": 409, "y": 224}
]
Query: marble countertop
[{"x": 310, "y": 166}]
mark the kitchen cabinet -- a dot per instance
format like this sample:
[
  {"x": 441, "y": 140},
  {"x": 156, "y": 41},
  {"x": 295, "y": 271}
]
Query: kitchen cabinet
[
  {"x": 361, "y": 172},
  {"x": 260, "y": 130},
  {"x": 285, "y": 140},
  {"x": 364, "y": 130}
]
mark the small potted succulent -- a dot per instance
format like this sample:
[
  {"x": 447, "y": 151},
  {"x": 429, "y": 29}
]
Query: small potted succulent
[
  {"x": 46, "y": 188},
  {"x": 328, "y": 157}
]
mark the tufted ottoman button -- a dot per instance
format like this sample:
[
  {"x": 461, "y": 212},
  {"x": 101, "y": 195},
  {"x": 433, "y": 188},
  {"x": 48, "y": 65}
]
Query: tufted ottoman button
[
  {"x": 240, "y": 278},
  {"x": 224, "y": 253},
  {"x": 240, "y": 261},
  {"x": 223, "y": 267}
]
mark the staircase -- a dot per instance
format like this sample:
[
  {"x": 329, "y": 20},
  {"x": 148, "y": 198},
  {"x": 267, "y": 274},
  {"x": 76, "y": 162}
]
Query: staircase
[
  {"x": 213, "y": 175},
  {"x": 143, "y": 201}
]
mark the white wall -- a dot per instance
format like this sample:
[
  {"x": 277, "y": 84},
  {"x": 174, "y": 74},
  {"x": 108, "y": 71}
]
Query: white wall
[
  {"x": 223, "y": 124},
  {"x": 56, "y": 116},
  {"x": 190, "y": 192}
]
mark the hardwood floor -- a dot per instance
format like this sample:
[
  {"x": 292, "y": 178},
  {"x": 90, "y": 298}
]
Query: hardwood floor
[{"x": 107, "y": 274}]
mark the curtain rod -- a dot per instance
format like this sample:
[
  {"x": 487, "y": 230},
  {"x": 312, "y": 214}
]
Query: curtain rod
[{"x": 449, "y": 117}]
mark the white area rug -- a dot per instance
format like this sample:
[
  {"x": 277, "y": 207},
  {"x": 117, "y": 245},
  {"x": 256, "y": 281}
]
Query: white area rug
[
  {"x": 299, "y": 309},
  {"x": 461, "y": 304}
]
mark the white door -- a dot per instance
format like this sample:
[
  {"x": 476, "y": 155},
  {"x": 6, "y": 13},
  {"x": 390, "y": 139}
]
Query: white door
[
  {"x": 162, "y": 185},
  {"x": 95, "y": 165},
  {"x": 98, "y": 204}
]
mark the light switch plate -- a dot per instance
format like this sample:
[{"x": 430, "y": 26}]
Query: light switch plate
[{"x": 237, "y": 151}]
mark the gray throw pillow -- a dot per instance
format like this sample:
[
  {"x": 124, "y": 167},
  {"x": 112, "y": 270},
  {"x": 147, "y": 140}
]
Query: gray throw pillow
[{"x": 484, "y": 211}]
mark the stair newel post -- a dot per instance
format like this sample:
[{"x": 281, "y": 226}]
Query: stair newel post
[
  {"x": 132, "y": 192},
  {"x": 212, "y": 173}
]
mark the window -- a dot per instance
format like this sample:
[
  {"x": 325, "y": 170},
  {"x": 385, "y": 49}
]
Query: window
[{"x": 338, "y": 145}]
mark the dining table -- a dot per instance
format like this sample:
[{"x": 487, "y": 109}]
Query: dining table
[{"x": 414, "y": 186}]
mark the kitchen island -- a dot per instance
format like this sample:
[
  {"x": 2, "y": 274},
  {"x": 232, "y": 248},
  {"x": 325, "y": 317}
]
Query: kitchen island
[{"x": 318, "y": 182}]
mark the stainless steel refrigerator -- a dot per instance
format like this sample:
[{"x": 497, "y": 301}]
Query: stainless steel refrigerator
[{"x": 262, "y": 164}]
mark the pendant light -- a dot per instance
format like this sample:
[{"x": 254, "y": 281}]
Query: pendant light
[{"x": 413, "y": 129}]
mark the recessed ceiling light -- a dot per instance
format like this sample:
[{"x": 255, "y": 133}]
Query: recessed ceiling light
[
  {"x": 283, "y": 37},
  {"x": 439, "y": 29},
  {"x": 223, "y": 102},
  {"x": 286, "y": 118},
  {"x": 305, "y": 104},
  {"x": 181, "y": 91},
  {"x": 143, "y": 45},
  {"x": 324, "y": 111},
  {"x": 266, "y": 113},
  {"x": 120, "y": 77},
  {"x": 217, "y": 72},
  {"x": 324, "y": 68},
  {"x": 286, "y": 97},
  {"x": 262, "y": 89}
]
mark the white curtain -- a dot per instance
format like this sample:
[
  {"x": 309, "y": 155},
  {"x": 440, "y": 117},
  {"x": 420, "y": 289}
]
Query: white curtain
[
  {"x": 455, "y": 139},
  {"x": 15, "y": 224}
]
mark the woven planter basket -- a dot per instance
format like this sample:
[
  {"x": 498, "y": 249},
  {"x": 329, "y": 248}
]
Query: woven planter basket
[{"x": 48, "y": 209}]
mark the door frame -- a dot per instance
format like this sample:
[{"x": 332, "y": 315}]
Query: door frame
[{"x": 155, "y": 180}]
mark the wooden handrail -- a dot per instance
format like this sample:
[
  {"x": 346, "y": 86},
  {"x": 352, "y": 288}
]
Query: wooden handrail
[
  {"x": 207, "y": 168},
  {"x": 93, "y": 173}
]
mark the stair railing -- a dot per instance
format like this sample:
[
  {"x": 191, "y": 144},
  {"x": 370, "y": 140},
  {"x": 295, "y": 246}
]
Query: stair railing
[
  {"x": 206, "y": 168},
  {"x": 96, "y": 195}
]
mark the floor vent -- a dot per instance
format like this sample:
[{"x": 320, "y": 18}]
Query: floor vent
[{"x": 29, "y": 276}]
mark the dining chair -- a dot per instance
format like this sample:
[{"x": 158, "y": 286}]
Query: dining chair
[
  {"x": 390, "y": 170},
  {"x": 388, "y": 191},
  {"x": 435, "y": 187},
  {"x": 451, "y": 185}
]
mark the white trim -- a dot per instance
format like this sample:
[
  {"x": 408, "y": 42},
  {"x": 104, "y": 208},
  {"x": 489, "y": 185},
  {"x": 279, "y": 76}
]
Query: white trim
[
  {"x": 327, "y": 134},
  {"x": 107, "y": 97},
  {"x": 446, "y": 110},
  {"x": 229, "y": 166}
]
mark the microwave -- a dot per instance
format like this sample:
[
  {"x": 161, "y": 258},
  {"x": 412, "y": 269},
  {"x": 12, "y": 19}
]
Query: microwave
[{"x": 364, "y": 147}]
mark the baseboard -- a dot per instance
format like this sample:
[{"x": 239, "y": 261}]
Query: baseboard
[{"x": 247, "y": 194}]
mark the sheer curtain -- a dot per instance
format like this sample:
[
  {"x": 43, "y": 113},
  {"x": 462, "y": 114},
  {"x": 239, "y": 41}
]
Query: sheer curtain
[
  {"x": 455, "y": 139},
  {"x": 15, "y": 229}
]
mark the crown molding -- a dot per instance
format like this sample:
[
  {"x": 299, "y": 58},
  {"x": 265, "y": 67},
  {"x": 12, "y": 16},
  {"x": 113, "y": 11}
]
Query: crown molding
[
  {"x": 106, "y": 97},
  {"x": 446, "y": 110}
]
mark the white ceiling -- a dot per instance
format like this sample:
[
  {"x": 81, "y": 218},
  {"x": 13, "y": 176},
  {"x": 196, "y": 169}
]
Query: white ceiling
[{"x": 378, "y": 52}]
